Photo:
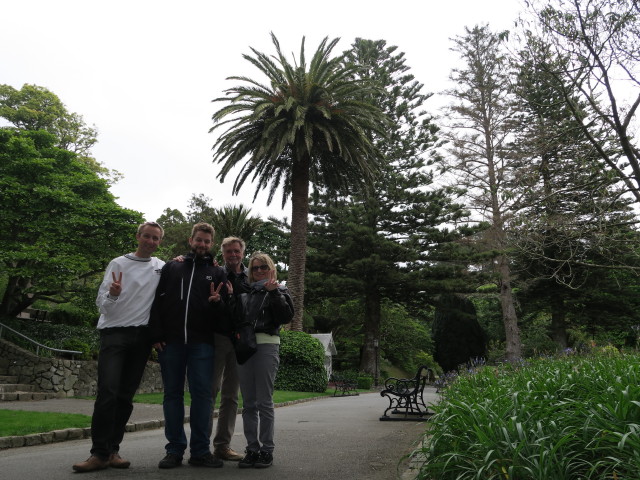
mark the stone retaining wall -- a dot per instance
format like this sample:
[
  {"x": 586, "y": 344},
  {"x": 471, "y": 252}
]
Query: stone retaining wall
[{"x": 64, "y": 377}]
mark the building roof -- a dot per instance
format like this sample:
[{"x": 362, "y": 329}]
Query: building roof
[{"x": 327, "y": 342}]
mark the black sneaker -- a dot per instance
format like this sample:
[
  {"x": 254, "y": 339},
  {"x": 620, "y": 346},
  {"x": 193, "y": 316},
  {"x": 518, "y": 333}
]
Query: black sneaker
[
  {"x": 249, "y": 460},
  {"x": 171, "y": 460},
  {"x": 265, "y": 459},
  {"x": 207, "y": 460}
]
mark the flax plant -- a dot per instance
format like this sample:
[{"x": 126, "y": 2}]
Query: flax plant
[{"x": 575, "y": 417}]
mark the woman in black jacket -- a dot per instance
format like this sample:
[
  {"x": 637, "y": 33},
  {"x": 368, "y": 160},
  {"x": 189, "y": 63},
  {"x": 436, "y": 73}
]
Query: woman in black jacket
[{"x": 267, "y": 305}]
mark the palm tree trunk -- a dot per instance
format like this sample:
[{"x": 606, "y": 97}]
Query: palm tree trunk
[{"x": 299, "y": 223}]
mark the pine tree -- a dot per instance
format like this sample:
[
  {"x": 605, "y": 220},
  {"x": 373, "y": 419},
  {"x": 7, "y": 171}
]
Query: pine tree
[
  {"x": 478, "y": 132},
  {"x": 375, "y": 244}
]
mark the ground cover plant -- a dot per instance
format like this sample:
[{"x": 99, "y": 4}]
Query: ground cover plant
[{"x": 575, "y": 417}]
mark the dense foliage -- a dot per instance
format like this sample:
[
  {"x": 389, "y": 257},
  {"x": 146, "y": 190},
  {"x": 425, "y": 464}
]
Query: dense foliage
[
  {"x": 58, "y": 221},
  {"x": 82, "y": 338},
  {"x": 301, "y": 363},
  {"x": 457, "y": 335},
  {"x": 570, "y": 418}
]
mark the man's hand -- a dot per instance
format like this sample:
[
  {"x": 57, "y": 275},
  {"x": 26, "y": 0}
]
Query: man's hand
[
  {"x": 215, "y": 293},
  {"x": 116, "y": 287},
  {"x": 159, "y": 346}
]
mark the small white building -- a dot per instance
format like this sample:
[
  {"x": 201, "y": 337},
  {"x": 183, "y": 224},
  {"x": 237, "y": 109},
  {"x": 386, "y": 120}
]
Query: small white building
[{"x": 329, "y": 349}]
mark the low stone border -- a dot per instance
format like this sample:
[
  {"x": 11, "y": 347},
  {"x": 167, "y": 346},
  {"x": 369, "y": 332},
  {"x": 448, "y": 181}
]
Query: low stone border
[{"x": 81, "y": 433}]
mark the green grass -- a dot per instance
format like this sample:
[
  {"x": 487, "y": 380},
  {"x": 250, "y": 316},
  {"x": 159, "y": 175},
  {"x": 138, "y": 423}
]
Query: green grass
[
  {"x": 19, "y": 422},
  {"x": 279, "y": 396}
]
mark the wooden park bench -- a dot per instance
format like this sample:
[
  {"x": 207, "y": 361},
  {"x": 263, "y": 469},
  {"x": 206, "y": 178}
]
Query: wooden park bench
[
  {"x": 406, "y": 401},
  {"x": 344, "y": 386}
]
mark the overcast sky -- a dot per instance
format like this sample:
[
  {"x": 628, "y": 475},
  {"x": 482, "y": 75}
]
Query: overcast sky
[{"x": 145, "y": 72}]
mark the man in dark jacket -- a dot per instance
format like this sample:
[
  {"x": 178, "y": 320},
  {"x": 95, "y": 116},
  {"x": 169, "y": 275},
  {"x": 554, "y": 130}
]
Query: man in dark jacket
[
  {"x": 226, "y": 380},
  {"x": 190, "y": 298}
]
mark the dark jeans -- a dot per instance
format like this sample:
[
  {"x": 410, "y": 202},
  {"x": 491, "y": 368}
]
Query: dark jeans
[
  {"x": 195, "y": 361},
  {"x": 124, "y": 352}
]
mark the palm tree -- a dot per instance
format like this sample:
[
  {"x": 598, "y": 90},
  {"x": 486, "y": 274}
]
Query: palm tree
[
  {"x": 236, "y": 221},
  {"x": 306, "y": 124}
]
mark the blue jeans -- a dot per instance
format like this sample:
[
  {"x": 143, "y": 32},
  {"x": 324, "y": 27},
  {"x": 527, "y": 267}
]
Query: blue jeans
[
  {"x": 124, "y": 352},
  {"x": 195, "y": 361}
]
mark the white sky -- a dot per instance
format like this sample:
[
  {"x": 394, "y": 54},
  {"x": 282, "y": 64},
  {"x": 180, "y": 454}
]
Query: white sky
[{"x": 144, "y": 72}]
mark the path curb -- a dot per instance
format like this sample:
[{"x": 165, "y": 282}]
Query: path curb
[{"x": 81, "y": 433}]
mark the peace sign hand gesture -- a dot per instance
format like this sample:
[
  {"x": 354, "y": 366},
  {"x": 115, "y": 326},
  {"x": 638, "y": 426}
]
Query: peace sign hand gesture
[
  {"x": 116, "y": 287},
  {"x": 271, "y": 284},
  {"x": 215, "y": 293}
]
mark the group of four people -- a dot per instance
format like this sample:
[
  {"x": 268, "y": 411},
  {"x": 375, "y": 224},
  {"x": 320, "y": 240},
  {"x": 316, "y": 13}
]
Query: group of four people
[{"x": 187, "y": 310}]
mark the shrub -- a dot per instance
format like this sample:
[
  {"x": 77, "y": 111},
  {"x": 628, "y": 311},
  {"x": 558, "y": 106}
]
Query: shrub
[
  {"x": 78, "y": 346},
  {"x": 67, "y": 314},
  {"x": 423, "y": 358},
  {"x": 301, "y": 363},
  {"x": 51, "y": 335},
  {"x": 365, "y": 381}
]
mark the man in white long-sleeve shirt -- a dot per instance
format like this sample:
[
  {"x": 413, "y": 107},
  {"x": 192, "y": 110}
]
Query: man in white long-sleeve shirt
[{"x": 124, "y": 300}]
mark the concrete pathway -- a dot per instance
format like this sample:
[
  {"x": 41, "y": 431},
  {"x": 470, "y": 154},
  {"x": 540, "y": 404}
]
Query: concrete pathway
[{"x": 329, "y": 438}]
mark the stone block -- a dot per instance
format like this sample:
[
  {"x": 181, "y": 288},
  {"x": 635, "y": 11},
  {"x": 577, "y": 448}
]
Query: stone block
[
  {"x": 75, "y": 434},
  {"x": 33, "y": 439},
  {"x": 148, "y": 425},
  {"x": 60, "y": 435},
  {"x": 69, "y": 382},
  {"x": 5, "y": 442},
  {"x": 17, "y": 441}
]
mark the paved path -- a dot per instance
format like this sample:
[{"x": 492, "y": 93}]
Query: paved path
[{"x": 329, "y": 438}]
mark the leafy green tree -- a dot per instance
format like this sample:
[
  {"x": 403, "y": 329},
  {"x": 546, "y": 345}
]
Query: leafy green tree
[
  {"x": 58, "y": 221},
  {"x": 377, "y": 243},
  {"x": 405, "y": 341},
  {"x": 230, "y": 220},
  {"x": 306, "y": 125},
  {"x": 36, "y": 108},
  {"x": 176, "y": 233},
  {"x": 272, "y": 238}
]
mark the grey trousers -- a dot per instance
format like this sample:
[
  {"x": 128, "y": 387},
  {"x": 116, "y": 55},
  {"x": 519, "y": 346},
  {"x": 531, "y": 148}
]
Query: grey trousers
[
  {"x": 227, "y": 383},
  {"x": 257, "y": 377}
]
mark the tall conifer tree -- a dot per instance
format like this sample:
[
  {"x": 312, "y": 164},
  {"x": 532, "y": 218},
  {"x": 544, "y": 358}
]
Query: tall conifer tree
[{"x": 375, "y": 244}]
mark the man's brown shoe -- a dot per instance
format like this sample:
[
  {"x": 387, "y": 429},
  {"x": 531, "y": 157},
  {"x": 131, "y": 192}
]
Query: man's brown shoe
[
  {"x": 225, "y": 453},
  {"x": 91, "y": 464},
  {"x": 116, "y": 461}
]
